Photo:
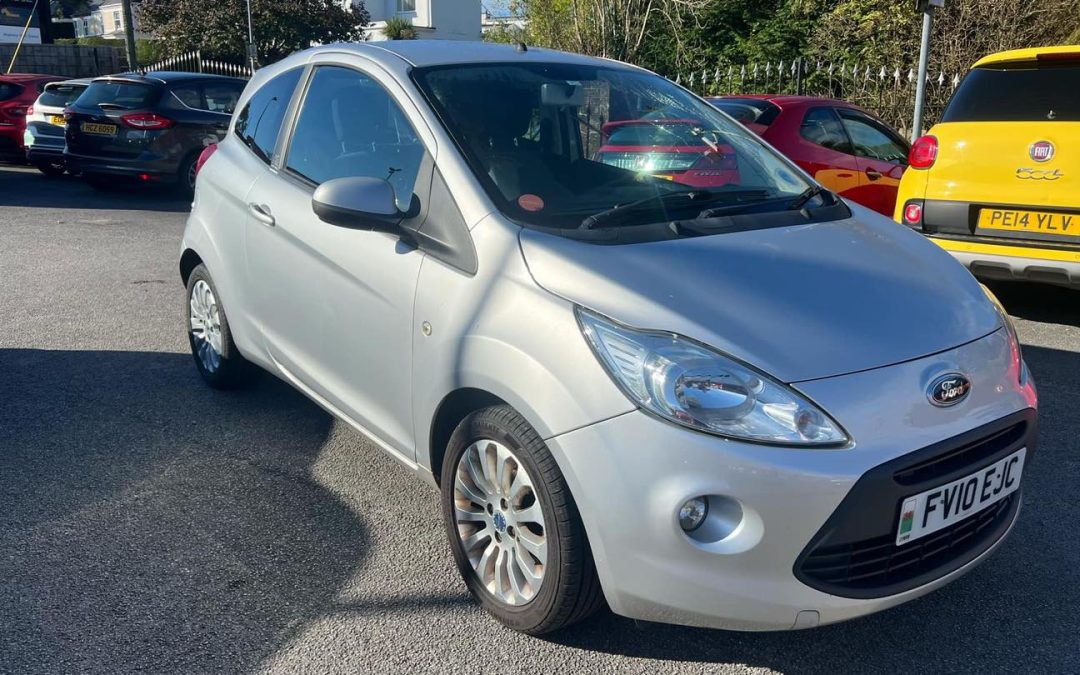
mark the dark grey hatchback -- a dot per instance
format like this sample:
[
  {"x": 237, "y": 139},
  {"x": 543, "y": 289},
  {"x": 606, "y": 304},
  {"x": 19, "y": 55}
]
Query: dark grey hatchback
[{"x": 148, "y": 128}]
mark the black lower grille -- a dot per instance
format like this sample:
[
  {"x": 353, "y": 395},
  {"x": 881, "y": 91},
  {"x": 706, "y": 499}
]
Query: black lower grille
[
  {"x": 855, "y": 554},
  {"x": 877, "y": 563}
]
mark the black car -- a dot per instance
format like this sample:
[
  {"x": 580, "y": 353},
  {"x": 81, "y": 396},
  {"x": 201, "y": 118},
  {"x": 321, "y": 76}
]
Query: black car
[{"x": 148, "y": 128}]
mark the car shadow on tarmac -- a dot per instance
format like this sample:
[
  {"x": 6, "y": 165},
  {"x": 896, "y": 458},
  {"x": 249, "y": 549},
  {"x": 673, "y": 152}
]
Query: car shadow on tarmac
[
  {"x": 1014, "y": 613},
  {"x": 24, "y": 187},
  {"x": 149, "y": 523},
  {"x": 1040, "y": 302}
]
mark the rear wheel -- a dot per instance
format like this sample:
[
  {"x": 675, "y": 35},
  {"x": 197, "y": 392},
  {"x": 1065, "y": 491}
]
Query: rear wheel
[
  {"x": 513, "y": 526},
  {"x": 51, "y": 169},
  {"x": 218, "y": 360},
  {"x": 185, "y": 177}
]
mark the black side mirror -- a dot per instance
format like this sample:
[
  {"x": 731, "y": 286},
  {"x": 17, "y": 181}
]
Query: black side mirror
[{"x": 357, "y": 202}]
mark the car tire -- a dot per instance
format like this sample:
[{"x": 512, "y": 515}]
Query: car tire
[
  {"x": 51, "y": 169},
  {"x": 500, "y": 573},
  {"x": 185, "y": 176},
  {"x": 217, "y": 359}
]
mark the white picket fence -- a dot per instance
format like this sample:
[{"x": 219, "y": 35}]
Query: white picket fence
[{"x": 193, "y": 62}]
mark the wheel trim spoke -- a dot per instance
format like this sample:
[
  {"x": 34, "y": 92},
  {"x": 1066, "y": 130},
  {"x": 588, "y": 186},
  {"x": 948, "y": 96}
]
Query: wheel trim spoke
[
  {"x": 204, "y": 322},
  {"x": 503, "y": 541}
]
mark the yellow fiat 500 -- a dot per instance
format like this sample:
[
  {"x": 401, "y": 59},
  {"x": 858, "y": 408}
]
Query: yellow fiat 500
[{"x": 997, "y": 182}]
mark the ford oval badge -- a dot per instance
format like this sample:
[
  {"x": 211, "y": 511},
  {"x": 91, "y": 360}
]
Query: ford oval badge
[{"x": 949, "y": 390}]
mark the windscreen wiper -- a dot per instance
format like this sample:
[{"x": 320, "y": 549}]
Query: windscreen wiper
[
  {"x": 808, "y": 194},
  {"x": 112, "y": 106},
  {"x": 666, "y": 199}
]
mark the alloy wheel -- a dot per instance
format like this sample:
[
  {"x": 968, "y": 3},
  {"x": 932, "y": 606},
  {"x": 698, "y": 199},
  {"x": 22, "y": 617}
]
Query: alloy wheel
[
  {"x": 500, "y": 522},
  {"x": 205, "y": 325}
]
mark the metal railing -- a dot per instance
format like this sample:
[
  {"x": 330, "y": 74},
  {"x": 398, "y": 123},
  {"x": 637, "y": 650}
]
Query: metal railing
[
  {"x": 888, "y": 91},
  {"x": 193, "y": 62}
]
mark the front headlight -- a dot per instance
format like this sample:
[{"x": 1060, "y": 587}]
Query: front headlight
[
  {"x": 1010, "y": 331},
  {"x": 692, "y": 385}
]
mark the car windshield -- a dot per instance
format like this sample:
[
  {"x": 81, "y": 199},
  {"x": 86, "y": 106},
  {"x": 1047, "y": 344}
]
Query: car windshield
[
  {"x": 125, "y": 94},
  {"x": 1040, "y": 94},
  {"x": 61, "y": 95},
  {"x": 554, "y": 144}
]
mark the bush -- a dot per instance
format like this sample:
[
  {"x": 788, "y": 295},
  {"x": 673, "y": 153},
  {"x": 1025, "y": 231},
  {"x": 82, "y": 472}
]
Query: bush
[{"x": 399, "y": 28}]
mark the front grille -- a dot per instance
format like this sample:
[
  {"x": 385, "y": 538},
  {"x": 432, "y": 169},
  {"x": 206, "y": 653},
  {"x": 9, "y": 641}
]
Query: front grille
[
  {"x": 966, "y": 455},
  {"x": 876, "y": 563},
  {"x": 854, "y": 554}
]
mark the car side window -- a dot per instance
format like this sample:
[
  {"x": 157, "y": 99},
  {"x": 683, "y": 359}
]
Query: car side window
[
  {"x": 870, "y": 139},
  {"x": 221, "y": 97},
  {"x": 350, "y": 126},
  {"x": 188, "y": 95},
  {"x": 822, "y": 127},
  {"x": 259, "y": 123}
]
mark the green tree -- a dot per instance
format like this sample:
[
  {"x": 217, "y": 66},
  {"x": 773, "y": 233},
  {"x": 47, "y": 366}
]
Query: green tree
[{"x": 219, "y": 27}]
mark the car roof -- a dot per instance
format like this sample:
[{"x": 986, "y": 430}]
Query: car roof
[
  {"x": 1029, "y": 55},
  {"x": 786, "y": 99},
  {"x": 421, "y": 53},
  {"x": 164, "y": 77},
  {"x": 28, "y": 77},
  {"x": 77, "y": 82}
]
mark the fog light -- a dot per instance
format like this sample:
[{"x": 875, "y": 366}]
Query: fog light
[{"x": 692, "y": 514}]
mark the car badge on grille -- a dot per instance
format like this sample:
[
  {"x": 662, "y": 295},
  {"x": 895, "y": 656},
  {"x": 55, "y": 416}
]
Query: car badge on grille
[
  {"x": 948, "y": 390},
  {"x": 1041, "y": 151}
]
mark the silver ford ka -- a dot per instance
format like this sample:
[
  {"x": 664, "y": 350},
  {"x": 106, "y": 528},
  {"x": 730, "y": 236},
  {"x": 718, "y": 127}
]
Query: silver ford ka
[{"x": 645, "y": 359}]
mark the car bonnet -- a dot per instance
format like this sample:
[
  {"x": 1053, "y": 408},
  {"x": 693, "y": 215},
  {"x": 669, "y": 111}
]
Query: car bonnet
[{"x": 801, "y": 303}]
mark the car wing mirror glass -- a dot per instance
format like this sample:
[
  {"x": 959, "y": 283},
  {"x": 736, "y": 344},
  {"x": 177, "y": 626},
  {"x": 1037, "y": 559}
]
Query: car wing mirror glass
[{"x": 358, "y": 202}]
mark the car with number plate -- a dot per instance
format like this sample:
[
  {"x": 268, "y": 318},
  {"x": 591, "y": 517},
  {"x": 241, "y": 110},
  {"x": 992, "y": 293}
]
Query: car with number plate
[
  {"x": 17, "y": 93},
  {"x": 844, "y": 147},
  {"x": 997, "y": 181},
  {"x": 148, "y": 128},
  {"x": 748, "y": 405},
  {"x": 45, "y": 123}
]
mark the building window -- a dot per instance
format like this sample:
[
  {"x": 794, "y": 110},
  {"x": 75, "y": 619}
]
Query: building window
[
  {"x": 118, "y": 23},
  {"x": 406, "y": 5}
]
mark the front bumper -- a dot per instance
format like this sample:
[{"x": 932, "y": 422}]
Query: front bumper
[{"x": 629, "y": 475}]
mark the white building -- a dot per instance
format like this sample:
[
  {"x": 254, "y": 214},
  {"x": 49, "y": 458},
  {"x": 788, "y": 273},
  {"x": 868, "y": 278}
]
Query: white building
[
  {"x": 432, "y": 19},
  {"x": 105, "y": 20}
]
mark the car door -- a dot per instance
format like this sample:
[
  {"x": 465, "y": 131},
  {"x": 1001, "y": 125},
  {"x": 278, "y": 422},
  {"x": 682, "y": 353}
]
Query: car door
[
  {"x": 336, "y": 304},
  {"x": 882, "y": 157},
  {"x": 824, "y": 151}
]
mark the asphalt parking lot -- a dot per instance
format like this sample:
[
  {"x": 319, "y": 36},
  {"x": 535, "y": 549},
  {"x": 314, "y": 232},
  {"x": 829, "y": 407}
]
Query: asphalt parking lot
[{"x": 148, "y": 523}]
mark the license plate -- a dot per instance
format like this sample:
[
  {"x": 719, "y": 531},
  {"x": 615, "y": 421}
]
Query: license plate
[
  {"x": 1030, "y": 221},
  {"x": 99, "y": 129},
  {"x": 940, "y": 507},
  {"x": 58, "y": 120}
]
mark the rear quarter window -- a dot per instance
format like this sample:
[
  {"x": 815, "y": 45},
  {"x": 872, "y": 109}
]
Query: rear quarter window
[
  {"x": 259, "y": 123},
  {"x": 127, "y": 94},
  {"x": 1017, "y": 95}
]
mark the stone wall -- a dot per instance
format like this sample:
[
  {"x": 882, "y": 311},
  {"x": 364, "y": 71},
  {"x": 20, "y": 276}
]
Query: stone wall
[{"x": 67, "y": 60}]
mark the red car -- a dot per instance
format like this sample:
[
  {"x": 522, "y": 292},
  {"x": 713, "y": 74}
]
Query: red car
[
  {"x": 17, "y": 93},
  {"x": 676, "y": 149},
  {"x": 844, "y": 147}
]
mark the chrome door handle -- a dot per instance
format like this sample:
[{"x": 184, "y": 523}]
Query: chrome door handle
[
  {"x": 262, "y": 214},
  {"x": 873, "y": 175}
]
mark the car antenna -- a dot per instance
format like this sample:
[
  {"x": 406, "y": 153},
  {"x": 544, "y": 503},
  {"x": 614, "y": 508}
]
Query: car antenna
[{"x": 522, "y": 48}]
